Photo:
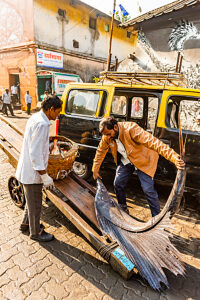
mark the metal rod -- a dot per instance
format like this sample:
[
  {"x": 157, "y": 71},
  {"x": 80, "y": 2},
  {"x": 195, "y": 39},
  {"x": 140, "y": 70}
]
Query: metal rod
[
  {"x": 177, "y": 62},
  {"x": 181, "y": 147},
  {"x": 180, "y": 64},
  {"x": 116, "y": 63},
  {"x": 111, "y": 32}
]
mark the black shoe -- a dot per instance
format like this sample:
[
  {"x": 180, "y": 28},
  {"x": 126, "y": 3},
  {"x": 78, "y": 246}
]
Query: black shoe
[
  {"x": 43, "y": 237},
  {"x": 25, "y": 227}
]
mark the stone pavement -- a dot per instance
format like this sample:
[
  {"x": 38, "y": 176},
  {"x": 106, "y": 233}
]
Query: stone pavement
[{"x": 69, "y": 268}]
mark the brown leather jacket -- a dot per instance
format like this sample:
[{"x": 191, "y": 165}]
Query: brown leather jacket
[{"x": 142, "y": 148}]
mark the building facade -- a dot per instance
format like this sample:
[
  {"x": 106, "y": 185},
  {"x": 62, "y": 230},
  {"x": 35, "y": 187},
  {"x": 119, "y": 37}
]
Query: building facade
[
  {"x": 164, "y": 32},
  {"x": 42, "y": 38}
]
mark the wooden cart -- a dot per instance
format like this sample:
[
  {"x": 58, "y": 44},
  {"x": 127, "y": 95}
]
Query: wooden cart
[{"x": 73, "y": 196}]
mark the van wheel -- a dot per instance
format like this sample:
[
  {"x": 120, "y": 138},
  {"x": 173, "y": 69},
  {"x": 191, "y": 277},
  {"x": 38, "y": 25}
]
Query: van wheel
[{"x": 81, "y": 169}]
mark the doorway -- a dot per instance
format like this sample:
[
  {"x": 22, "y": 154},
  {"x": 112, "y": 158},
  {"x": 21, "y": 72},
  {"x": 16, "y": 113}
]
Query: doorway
[
  {"x": 44, "y": 83},
  {"x": 14, "y": 80}
]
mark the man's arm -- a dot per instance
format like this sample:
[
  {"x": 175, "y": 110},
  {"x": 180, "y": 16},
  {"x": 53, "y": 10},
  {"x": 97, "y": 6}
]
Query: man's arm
[
  {"x": 99, "y": 157},
  {"x": 141, "y": 136}
]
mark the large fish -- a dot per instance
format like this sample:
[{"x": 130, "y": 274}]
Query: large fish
[{"x": 147, "y": 245}]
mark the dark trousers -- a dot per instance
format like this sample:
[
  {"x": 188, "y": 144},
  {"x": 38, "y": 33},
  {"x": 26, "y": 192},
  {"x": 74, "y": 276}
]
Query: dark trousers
[
  {"x": 28, "y": 108},
  {"x": 33, "y": 195},
  {"x": 4, "y": 109},
  {"x": 14, "y": 98},
  {"x": 123, "y": 174}
]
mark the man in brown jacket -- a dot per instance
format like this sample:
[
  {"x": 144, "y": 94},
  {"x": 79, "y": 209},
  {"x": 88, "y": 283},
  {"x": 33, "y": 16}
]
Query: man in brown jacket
[{"x": 138, "y": 150}]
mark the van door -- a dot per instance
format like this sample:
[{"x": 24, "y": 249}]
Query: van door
[
  {"x": 80, "y": 122},
  {"x": 189, "y": 107}
]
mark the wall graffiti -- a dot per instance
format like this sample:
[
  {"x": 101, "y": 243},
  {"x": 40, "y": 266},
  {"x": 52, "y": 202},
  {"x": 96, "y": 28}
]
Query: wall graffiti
[
  {"x": 11, "y": 25},
  {"x": 146, "y": 45},
  {"x": 181, "y": 33}
]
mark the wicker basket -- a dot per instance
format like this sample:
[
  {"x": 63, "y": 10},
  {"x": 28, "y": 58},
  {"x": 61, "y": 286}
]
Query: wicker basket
[{"x": 59, "y": 166}]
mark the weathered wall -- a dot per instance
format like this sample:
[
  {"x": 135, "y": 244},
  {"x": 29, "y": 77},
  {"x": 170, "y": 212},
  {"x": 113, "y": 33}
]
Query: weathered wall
[
  {"x": 160, "y": 39},
  {"x": 16, "y": 22},
  {"x": 51, "y": 29},
  {"x": 21, "y": 62},
  {"x": 86, "y": 69},
  {"x": 16, "y": 27}
]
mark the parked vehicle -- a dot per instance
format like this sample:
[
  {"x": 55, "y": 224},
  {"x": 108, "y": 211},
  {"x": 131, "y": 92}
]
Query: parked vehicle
[
  {"x": 151, "y": 100},
  {"x": 53, "y": 82}
]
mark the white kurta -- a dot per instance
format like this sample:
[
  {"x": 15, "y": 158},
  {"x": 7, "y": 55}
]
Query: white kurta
[
  {"x": 6, "y": 98},
  {"x": 14, "y": 89},
  {"x": 27, "y": 98},
  {"x": 35, "y": 149}
]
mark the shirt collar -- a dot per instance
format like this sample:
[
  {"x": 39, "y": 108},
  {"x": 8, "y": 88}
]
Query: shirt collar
[{"x": 45, "y": 117}]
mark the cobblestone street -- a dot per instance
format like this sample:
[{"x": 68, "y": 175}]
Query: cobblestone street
[{"x": 69, "y": 267}]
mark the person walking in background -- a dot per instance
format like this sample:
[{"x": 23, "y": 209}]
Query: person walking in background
[
  {"x": 46, "y": 95},
  {"x": 7, "y": 102},
  {"x": 28, "y": 102}
]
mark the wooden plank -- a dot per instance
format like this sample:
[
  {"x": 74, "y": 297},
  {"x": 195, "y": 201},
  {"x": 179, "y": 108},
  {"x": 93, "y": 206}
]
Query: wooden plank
[
  {"x": 83, "y": 183},
  {"x": 11, "y": 152},
  {"x": 79, "y": 196},
  {"x": 125, "y": 270},
  {"x": 14, "y": 138},
  {"x": 12, "y": 125},
  {"x": 176, "y": 79},
  {"x": 81, "y": 225}
]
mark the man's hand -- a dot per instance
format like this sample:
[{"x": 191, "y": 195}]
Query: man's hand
[
  {"x": 179, "y": 163},
  {"x": 47, "y": 181},
  {"x": 96, "y": 175}
]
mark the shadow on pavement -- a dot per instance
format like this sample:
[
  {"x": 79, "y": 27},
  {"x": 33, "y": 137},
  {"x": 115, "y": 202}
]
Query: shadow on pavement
[{"x": 187, "y": 246}]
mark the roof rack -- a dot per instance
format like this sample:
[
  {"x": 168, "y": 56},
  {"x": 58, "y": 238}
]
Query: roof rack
[{"x": 170, "y": 79}]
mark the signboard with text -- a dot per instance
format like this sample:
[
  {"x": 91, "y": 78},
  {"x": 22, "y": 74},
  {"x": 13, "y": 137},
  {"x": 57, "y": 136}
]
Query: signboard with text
[
  {"x": 60, "y": 81},
  {"x": 49, "y": 59}
]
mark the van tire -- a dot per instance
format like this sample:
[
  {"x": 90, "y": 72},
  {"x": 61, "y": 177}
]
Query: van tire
[{"x": 82, "y": 170}]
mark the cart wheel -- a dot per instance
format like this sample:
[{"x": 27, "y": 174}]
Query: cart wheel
[{"x": 16, "y": 191}]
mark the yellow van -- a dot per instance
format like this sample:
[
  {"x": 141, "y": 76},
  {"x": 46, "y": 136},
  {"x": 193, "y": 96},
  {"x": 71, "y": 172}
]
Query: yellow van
[{"x": 153, "y": 100}]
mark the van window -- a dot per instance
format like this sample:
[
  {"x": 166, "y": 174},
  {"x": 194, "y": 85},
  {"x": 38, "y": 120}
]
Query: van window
[
  {"x": 137, "y": 107},
  {"x": 83, "y": 102},
  {"x": 119, "y": 105},
  {"x": 189, "y": 109}
]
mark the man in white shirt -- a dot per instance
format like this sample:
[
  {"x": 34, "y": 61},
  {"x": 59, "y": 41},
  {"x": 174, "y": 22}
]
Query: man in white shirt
[
  {"x": 28, "y": 102},
  {"x": 7, "y": 102},
  {"x": 32, "y": 165},
  {"x": 14, "y": 93}
]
